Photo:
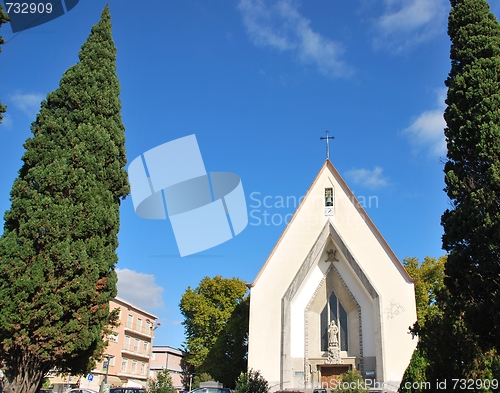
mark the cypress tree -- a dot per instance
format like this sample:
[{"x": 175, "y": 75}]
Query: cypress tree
[
  {"x": 472, "y": 170},
  {"x": 58, "y": 249}
]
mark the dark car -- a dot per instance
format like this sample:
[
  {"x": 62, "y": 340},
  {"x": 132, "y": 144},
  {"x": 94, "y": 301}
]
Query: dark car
[
  {"x": 211, "y": 390},
  {"x": 127, "y": 390}
]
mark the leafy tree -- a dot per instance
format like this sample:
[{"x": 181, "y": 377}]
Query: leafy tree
[
  {"x": 58, "y": 248},
  {"x": 162, "y": 383},
  {"x": 4, "y": 18},
  {"x": 216, "y": 327},
  {"x": 251, "y": 382},
  {"x": 228, "y": 356},
  {"x": 472, "y": 171},
  {"x": 350, "y": 382},
  {"x": 199, "y": 378},
  {"x": 429, "y": 276}
]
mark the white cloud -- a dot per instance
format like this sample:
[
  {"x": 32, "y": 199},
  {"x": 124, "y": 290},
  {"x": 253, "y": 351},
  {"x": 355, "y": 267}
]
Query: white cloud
[
  {"x": 29, "y": 103},
  {"x": 427, "y": 130},
  {"x": 139, "y": 289},
  {"x": 372, "y": 179},
  {"x": 409, "y": 22},
  {"x": 282, "y": 27}
]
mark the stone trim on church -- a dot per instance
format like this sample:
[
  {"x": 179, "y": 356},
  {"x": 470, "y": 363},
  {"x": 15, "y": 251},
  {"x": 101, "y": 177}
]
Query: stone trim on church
[{"x": 332, "y": 296}]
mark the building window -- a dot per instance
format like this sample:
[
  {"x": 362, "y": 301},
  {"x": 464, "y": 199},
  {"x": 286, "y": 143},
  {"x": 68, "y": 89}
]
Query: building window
[
  {"x": 112, "y": 361},
  {"x": 328, "y": 197},
  {"x": 145, "y": 347},
  {"x": 334, "y": 311},
  {"x": 124, "y": 365},
  {"x": 143, "y": 368},
  {"x": 113, "y": 338},
  {"x": 134, "y": 367},
  {"x": 130, "y": 321},
  {"x": 139, "y": 324},
  {"x": 136, "y": 345},
  {"x": 126, "y": 345}
]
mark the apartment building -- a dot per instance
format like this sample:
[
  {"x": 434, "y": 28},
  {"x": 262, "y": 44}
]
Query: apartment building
[
  {"x": 170, "y": 358},
  {"x": 130, "y": 346},
  {"x": 128, "y": 355}
]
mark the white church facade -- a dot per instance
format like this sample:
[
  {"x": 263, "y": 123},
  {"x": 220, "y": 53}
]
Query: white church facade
[{"x": 332, "y": 296}]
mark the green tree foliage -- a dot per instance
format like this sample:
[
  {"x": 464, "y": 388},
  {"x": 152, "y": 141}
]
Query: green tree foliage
[
  {"x": 4, "y": 18},
  {"x": 415, "y": 376},
  {"x": 446, "y": 349},
  {"x": 216, "y": 327},
  {"x": 472, "y": 171},
  {"x": 251, "y": 382},
  {"x": 58, "y": 248},
  {"x": 429, "y": 276},
  {"x": 452, "y": 352},
  {"x": 162, "y": 383},
  {"x": 197, "y": 379},
  {"x": 350, "y": 382}
]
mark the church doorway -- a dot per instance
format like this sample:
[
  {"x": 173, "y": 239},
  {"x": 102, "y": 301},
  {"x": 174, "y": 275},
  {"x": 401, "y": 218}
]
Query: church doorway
[{"x": 330, "y": 374}]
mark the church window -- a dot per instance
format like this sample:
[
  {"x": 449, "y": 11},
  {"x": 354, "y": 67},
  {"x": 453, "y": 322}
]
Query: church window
[
  {"x": 334, "y": 311},
  {"x": 328, "y": 196}
]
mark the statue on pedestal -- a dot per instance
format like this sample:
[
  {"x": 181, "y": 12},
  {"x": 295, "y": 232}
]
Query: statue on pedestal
[
  {"x": 333, "y": 333},
  {"x": 333, "y": 344}
]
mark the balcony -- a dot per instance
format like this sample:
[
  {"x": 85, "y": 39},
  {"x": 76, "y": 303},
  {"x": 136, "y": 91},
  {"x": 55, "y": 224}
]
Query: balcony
[
  {"x": 144, "y": 331},
  {"x": 129, "y": 374},
  {"x": 136, "y": 351}
]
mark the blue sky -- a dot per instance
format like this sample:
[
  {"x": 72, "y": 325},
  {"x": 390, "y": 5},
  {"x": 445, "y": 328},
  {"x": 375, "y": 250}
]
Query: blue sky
[{"x": 258, "y": 82}]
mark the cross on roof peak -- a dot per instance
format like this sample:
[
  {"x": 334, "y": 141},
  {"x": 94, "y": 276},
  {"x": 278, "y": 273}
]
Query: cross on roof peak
[{"x": 327, "y": 145}]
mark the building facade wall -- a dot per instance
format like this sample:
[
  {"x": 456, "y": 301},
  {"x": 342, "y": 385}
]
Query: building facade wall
[
  {"x": 171, "y": 359},
  {"x": 280, "y": 330},
  {"x": 129, "y": 352}
]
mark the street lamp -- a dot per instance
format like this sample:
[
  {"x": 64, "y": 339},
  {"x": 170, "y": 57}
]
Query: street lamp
[{"x": 105, "y": 380}]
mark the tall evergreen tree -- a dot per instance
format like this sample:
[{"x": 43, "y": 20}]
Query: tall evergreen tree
[
  {"x": 58, "y": 249},
  {"x": 472, "y": 171},
  {"x": 4, "y": 18}
]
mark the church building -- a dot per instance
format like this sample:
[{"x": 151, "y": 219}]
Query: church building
[{"x": 331, "y": 297}]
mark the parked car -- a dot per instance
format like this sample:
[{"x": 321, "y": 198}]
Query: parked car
[
  {"x": 124, "y": 389},
  {"x": 81, "y": 390},
  {"x": 211, "y": 390},
  {"x": 289, "y": 391}
]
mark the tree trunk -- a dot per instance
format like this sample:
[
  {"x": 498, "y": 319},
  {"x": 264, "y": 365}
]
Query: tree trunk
[{"x": 25, "y": 377}]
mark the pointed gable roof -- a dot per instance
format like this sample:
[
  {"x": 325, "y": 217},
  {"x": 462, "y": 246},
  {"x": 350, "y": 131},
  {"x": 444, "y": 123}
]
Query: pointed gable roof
[{"x": 329, "y": 166}]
